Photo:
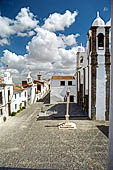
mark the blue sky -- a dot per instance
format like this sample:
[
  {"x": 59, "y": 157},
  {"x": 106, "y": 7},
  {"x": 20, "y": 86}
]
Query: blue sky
[{"x": 41, "y": 10}]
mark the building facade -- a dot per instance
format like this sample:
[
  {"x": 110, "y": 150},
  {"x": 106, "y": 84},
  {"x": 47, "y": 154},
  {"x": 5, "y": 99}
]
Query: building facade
[
  {"x": 59, "y": 86},
  {"x": 6, "y": 94},
  {"x": 19, "y": 99},
  {"x": 93, "y": 72}
]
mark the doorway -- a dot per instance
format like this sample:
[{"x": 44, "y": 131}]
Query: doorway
[
  {"x": 9, "y": 109},
  {"x": 71, "y": 98}
]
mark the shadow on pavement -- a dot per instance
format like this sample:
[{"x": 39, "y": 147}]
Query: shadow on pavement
[
  {"x": 46, "y": 99},
  {"x": 59, "y": 111},
  {"x": 104, "y": 130}
]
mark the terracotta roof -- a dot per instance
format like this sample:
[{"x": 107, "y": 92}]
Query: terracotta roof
[
  {"x": 1, "y": 81},
  {"x": 38, "y": 91},
  {"x": 25, "y": 85},
  {"x": 63, "y": 77},
  {"x": 38, "y": 82},
  {"x": 17, "y": 87}
]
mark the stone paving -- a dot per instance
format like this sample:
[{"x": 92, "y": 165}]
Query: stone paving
[{"x": 28, "y": 143}]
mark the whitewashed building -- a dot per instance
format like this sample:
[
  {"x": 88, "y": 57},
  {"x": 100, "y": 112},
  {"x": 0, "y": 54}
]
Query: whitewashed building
[
  {"x": 31, "y": 89},
  {"x": 93, "y": 72},
  {"x": 19, "y": 99},
  {"x": 6, "y": 94},
  {"x": 59, "y": 85},
  {"x": 43, "y": 87},
  {"x": 15, "y": 97}
]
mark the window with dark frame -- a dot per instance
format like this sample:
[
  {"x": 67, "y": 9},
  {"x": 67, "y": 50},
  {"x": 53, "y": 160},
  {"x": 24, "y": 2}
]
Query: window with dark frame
[
  {"x": 15, "y": 96},
  {"x": 1, "y": 112},
  {"x": 69, "y": 83},
  {"x": 15, "y": 106},
  {"x": 100, "y": 41},
  {"x": 25, "y": 93},
  {"x": 1, "y": 102},
  {"x": 81, "y": 60},
  {"x": 90, "y": 45},
  {"x": 62, "y": 83},
  {"x": 8, "y": 95}
]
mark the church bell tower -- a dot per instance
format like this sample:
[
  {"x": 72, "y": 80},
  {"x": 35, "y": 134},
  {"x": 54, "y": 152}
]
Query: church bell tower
[{"x": 99, "y": 70}]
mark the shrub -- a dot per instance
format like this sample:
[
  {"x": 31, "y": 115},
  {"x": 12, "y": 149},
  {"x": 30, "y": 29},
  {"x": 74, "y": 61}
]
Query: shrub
[
  {"x": 13, "y": 113},
  {"x": 18, "y": 111},
  {"x": 4, "y": 118},
  {"x": 23, "y": 107}
]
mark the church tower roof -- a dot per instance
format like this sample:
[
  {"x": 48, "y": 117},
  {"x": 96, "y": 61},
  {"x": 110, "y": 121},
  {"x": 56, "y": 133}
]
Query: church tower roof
[
  {"x": 81, "y": 48},
  {"x": 98, "y": 21}
]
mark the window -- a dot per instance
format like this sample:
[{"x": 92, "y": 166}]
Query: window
[
  {"x": 81, "y": 60},
  {"x": 69, "y": 83},
  {"x": 8, "y": 95},
  {"x": 62, "y": 83},
  {"x": 71, "y": 98},
  {"x": 15, "y": 106},
  {"x": 100, "y": 41},
  {"x": 1, "y": 112},
  {"x": 19, "y": 94},
  {"x": 15, "y": 96},
  {"x": 1, "y": 102},
  {"x": 90, "y": 45},
  {"x": 25, "y": 93}
]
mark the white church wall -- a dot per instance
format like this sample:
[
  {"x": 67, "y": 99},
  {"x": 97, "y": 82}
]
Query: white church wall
[
  {"x": 81, "y": 76},
  {"x": 100, "y": 93},
  {"x": 89, "y": 91},
  {"x": 86, "y": 81}
]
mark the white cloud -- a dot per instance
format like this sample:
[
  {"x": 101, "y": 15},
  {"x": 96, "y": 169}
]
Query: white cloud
[
  {"x": 4, "y": 41},
  {"x": 26, "y": 34},
  {"x": 44, "y": 46},
  {"x": 69, "y": 40},
  {"x": 23, "y": 25},
  {"x": 47, "y": 51},
  {"x": 13, "y": 60},
  {"x": 105, "y": 9},
  {"x": 57, "y": 22},
  {"x": 25, "y": 20},
  {"x": 6, "y": 27}
]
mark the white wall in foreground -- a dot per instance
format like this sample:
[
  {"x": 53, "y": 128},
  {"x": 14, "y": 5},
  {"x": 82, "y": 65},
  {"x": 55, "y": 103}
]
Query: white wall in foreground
[{"x": 110, "y": 163}]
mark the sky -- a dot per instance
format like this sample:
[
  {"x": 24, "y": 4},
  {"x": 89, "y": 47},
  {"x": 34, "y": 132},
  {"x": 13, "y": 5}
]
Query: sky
[{"x": 44, "y": 35}]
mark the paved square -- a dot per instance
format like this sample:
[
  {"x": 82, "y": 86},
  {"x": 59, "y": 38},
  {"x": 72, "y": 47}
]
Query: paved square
[{"x": 31, "y": 144}]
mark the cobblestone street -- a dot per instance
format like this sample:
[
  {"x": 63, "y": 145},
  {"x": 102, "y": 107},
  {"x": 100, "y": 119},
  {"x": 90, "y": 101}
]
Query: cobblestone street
[{"x": 28, "y": 143}]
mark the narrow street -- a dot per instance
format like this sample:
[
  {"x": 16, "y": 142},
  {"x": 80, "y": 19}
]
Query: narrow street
[{"x": 28, "y": 143}]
